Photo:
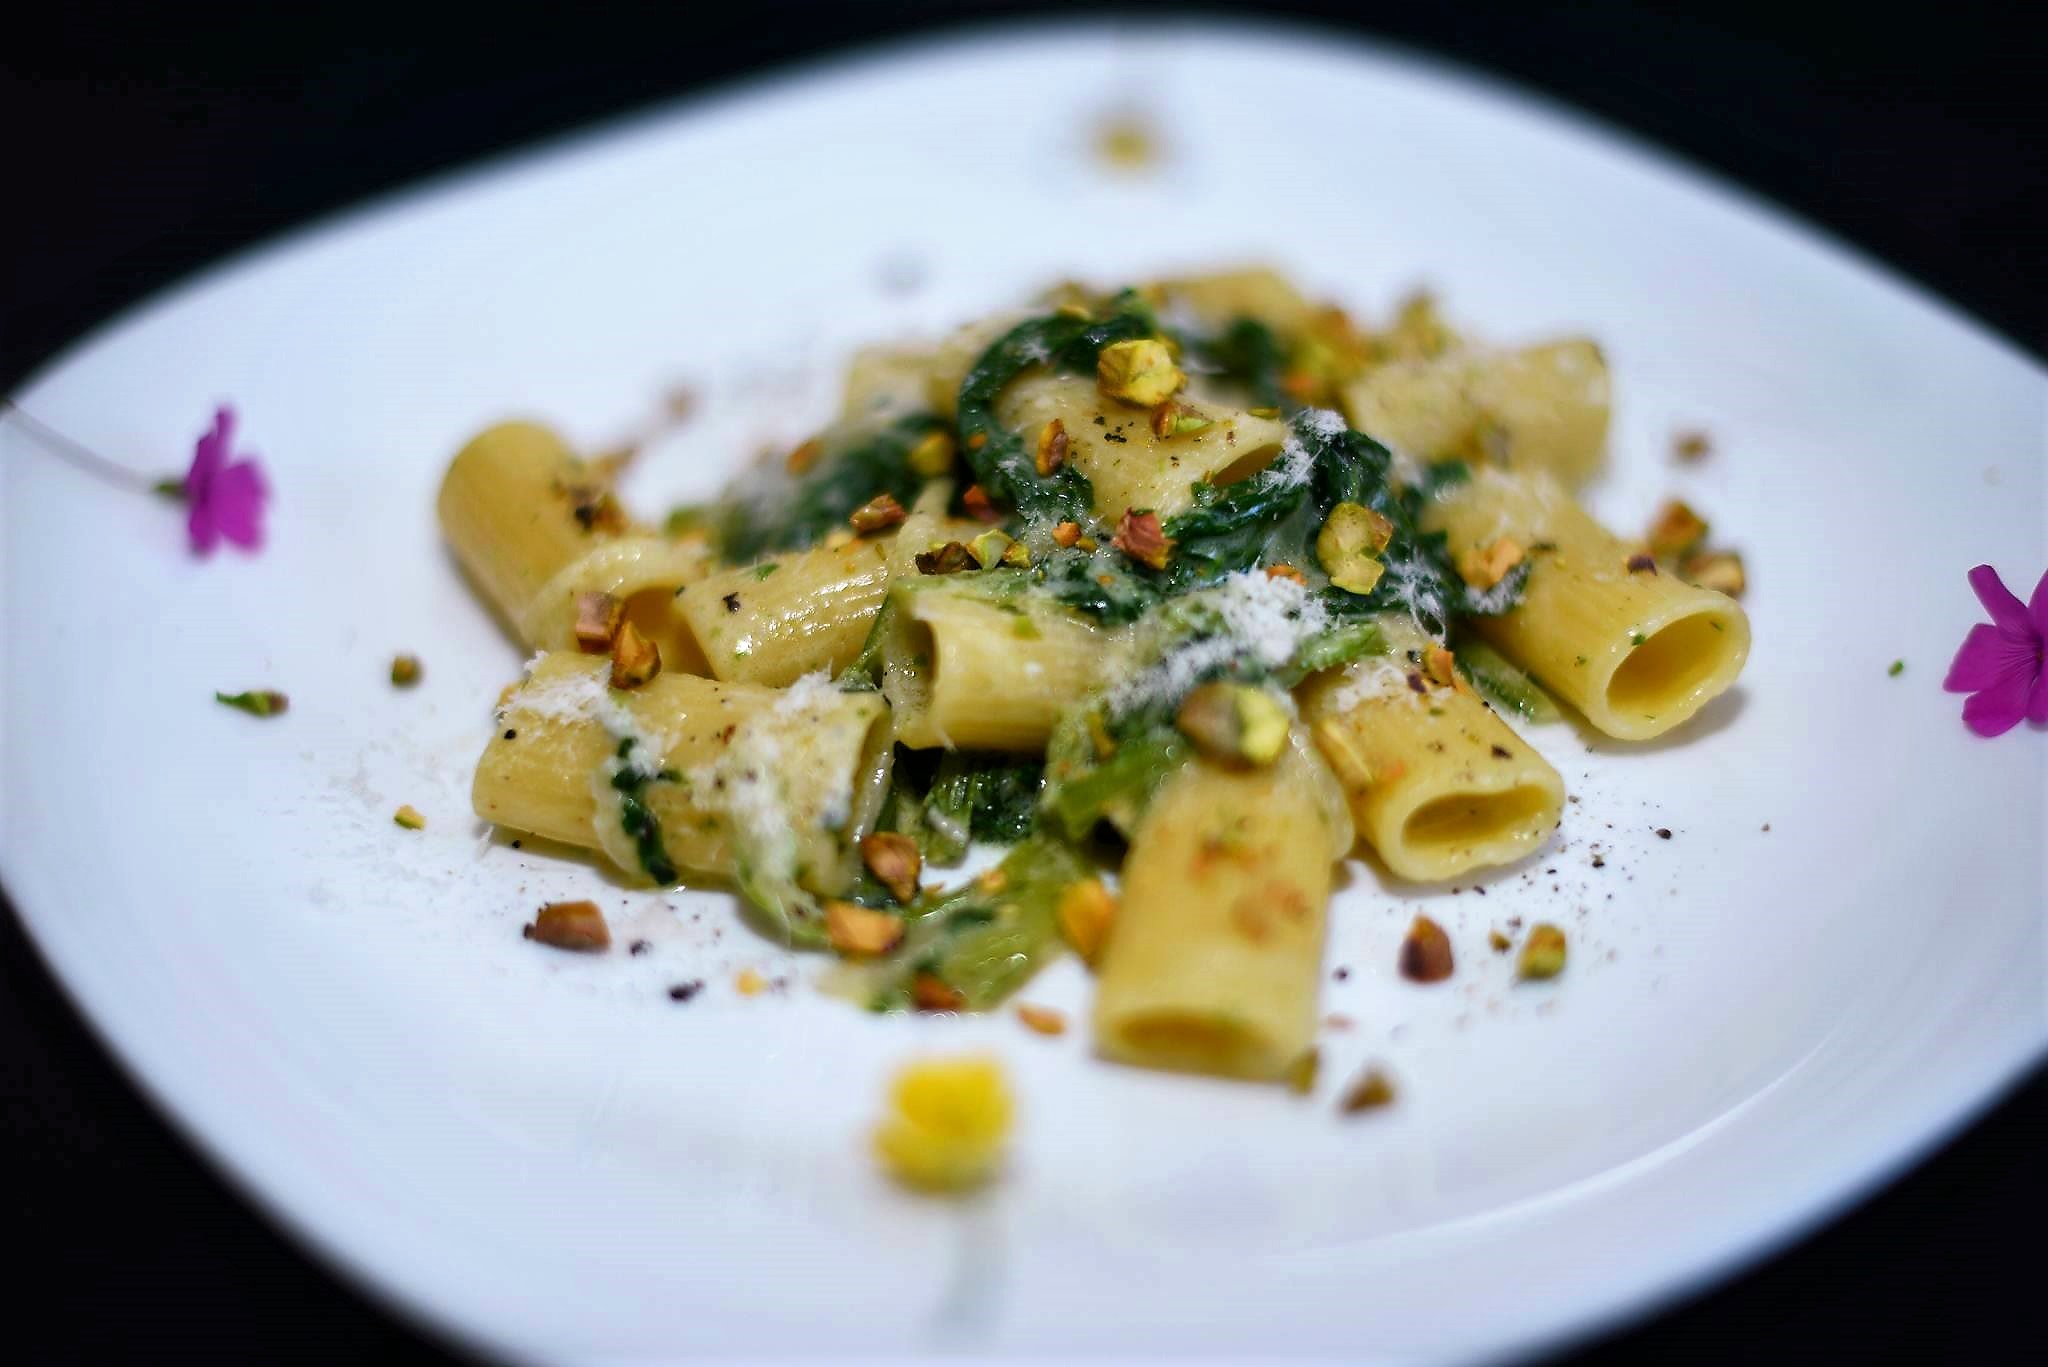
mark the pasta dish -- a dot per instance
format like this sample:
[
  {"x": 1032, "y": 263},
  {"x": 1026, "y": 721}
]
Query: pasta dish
[{"x": 1180, "y": 593}]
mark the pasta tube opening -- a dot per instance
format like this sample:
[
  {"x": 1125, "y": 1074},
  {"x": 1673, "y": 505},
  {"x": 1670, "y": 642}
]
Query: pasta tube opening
[
  {"x": 1477, "y": 827},
  {"x": 1678, "y": 666}
]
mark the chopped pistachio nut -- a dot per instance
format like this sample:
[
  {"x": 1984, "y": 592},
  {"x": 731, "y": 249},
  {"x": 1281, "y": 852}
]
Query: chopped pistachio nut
[
  {"x": 929, "y": 992},
  {"x": 877, "y": 513},
  {"x": 894, "y": 861},
  {"x": 1543, "y": 953},
  {"x": 1017, "y": 555},
  {"x": 405, "y": 670},
  {"x": 933, "y": 455},
  {"x": 1170, "y": 419},
  {"x": 1066, "y": 534},
  {"x": 977, "y": 504},
  {"x": 1086, "y": 911},
  {"x": 1898, "y": 668},
  {"x": 1482, "y": 569},
  {"x": 1052, "y": 447},
  {"x": 1140, "y": 536},
  {"x": 598, "y": 616},
  {"x": 947, "y": 1124},
  {"x": 1720, "y": 571},
  {"x": 988, "y": 548},
  {"x": 1349, "y": 545},
  {"x": 635, "y": 659},
  {"x": 595, "y": 509},
  {"x": 1677, "y": 530},
  {"x": 1140, "y": 372},
  {"x": 1370, "y": 1092},
  {"x": 1499, "y": 942},
  {"x": 570, "y": 925},
  {"x": 1286, "y": 572},
  {"x": 858, "y": 932},
  {"x": 1692, "y": 446},
  {"x": 257, "y": 702},
  {"x": 950, "y": 558},
  {"x": 1234, "y": 723},
  {"x": 408, "y": 816},
  {"x": 804, "y": 456},
  {"x": 1426, "y": 952},
  {"x": 1042, "y": 1019},
  {"x": 1442, "y": 667},
  {"x": 1301, "y": 1074}
]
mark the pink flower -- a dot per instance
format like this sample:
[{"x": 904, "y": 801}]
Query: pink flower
[
  {"x": 1999, "y": 665},
  {"x": 223, "y": 496}
]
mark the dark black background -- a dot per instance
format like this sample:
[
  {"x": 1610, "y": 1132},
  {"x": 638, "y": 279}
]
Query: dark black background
[{"x": 143, "y": 142}]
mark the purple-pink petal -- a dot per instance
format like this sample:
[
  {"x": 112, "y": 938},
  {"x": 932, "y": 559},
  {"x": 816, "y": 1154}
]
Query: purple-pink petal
[
  {"x": 1987, "y": 655},
  {"x": 210, "y": 453},
  {"x": 237, "y": 504},
  {"x": 1997, "y": 709},
  {"x": 2037, "y": 710},
  {"x": 199, "y": 524},
  {"x": 2037, "y": 607},
  {"x": 2006, "y": 610}
]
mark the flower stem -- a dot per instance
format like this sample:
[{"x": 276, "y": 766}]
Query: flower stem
[{"x": 83, "y": 458}]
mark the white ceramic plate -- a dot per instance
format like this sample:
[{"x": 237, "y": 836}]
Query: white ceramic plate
[{"x": 1836, "y": 957}]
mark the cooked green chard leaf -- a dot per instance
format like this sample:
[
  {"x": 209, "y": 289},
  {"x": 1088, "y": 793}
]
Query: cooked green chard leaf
[
  {"x": 638, "y": 819},
  {"x": 1106, "y": 587},
  {"x": 797, "y": 511},
  {"x": 1507, "y": 685},
  {"x": 1231, "y": 528},
  {"x": 1246, "y": 353},
  {"x": 1001, "y": 465},
  {"x": 1086, "y": 791},
  {"x": 998, "y": 792},
  {"x": 1339, "y": 645},
  {"x": 986, "y": 937}
]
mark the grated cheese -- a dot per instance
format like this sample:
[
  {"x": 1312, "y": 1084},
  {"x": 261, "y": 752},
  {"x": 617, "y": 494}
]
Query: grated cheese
[{"x": 1261, "y": 620}]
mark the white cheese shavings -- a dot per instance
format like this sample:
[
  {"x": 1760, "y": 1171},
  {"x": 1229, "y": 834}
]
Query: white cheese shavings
[
  {"x": 1326, "y": 422},
  {"x": 1293, "y": 467},
  {"x": 1370, "y": 680},
  {"x": 1262, "y": 621},
  {"x": 586, "y": 695},
  {"x": 814, "y": 689}
]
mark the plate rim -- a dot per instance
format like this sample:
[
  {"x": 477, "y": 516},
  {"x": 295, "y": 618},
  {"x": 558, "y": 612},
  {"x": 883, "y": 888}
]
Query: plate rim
[{"x": 1599, "y": 1314}]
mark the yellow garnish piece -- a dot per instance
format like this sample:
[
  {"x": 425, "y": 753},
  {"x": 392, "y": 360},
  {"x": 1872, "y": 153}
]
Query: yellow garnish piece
[
  {"x": 947, "y": 1125},
  {"x": 408, "y": 816},
  {"x": 749, "y": 983}
]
